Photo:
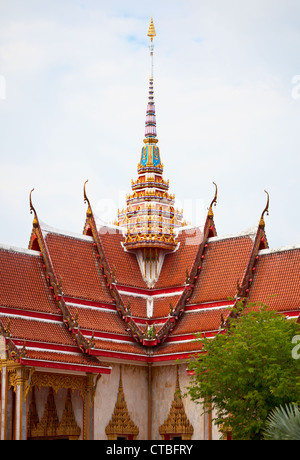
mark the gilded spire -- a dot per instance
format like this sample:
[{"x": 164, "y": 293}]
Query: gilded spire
[
  {"x": 150, "y": 155},
  {"x": 151, "y": 32},
  {"x": 150, "y": 125},
  {"x": 150, "y": 216}
]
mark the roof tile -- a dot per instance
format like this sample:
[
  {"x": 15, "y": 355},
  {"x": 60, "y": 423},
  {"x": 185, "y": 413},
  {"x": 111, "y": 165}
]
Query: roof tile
[
  {"x": 277, "y": 280},
  {"x": 23, "y": 283},
  {"x": 225, "y": 262},
  {"x": 173, "y": 272},
  {"x": 74, "y": 262}
]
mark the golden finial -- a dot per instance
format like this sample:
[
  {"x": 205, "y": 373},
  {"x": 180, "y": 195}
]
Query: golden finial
[
  {"x": 266, "y": 210},
  {"x": 32, "y": 210},
  {"x": 214, "y": 202},
  {"x": 151, "y": 32},
  {"x": 86, "y": 200}
]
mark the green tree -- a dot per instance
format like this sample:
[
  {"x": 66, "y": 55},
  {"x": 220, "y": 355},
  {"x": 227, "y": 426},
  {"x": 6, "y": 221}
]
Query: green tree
[{"x": 247, "y": 371}]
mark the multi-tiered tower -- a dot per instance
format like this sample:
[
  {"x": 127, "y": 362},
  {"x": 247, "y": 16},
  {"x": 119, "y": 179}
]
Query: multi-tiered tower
[{"x": 150, "y": 217}]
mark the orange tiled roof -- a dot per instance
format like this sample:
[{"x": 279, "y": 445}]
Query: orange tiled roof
[
  {"x": 173, "y": 348},
  {"x": 24, "y": 291},
  {"x": 276, "y": 280},
  {"x": 124, "y": 264},
  {"x": 121, "y": 347},
  {"x": 225, "y": 262},
  {"x": 138, "y": 305},
  {"x": 99, "y": 320},
  {"x": 74, "y": 261},
  {"x": 34, "y": 330},
  {"x": 78, "y": 359},
  {"x": 161, "y": 305},
  {"x": 173, "y": 272},
  {"x": 194, "y": 322},
  {"x": 22, "y": 282},
  {"x": 24, "y": 287}
]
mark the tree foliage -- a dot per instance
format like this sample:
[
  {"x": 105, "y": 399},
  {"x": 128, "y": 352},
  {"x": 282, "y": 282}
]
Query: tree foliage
[{"x": 247, "y": 371}]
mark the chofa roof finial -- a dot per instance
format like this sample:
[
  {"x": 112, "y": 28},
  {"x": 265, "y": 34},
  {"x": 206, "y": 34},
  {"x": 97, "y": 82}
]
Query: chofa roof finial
[
  {"x": 214, "y": 202},
  {"x": 266, "y": 210},
  {"x": 32, "y": 210},
  {"x": 86, "y": 200}
]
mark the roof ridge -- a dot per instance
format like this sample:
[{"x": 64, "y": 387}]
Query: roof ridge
[
  {"x": 48, "y": 229},
  {"x": 249, "y": 232},
  {"x": 15, "y": 249},
  {"x": 55, "y": 287},
  {"x": 191, "y": 277},
  {"x": 291, "y": 247}
]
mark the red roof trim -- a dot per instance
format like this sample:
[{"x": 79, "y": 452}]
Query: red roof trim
[
  {"x": 150, "y": 292},
  {"x": 118, "y": 354},
  {"x": 46, "y": 346},
  {"x": 208, "y": 305},
  {"x": 107, "y": 335},
  {"x": 89, "y": 303},
  {"x": 191, "y": 337},
  {"x": 8, "y": 311},
  {"x": 68, "y": 367}
]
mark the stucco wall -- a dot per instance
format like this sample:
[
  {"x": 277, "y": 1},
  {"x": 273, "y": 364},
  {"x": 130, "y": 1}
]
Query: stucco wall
[
  {"x": 135, "y": 386},
  {"x": 163, "y": 388}
]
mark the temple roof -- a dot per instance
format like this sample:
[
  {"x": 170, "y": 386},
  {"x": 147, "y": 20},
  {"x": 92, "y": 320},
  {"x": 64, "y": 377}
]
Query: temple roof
[
  {"x": 77, "y": 301},
  {"x": 224, "y": 264},
  {"x": 32, "y": 318},
  {"x": 29, "y": 317},
  {"x": 276, "y": 280}
]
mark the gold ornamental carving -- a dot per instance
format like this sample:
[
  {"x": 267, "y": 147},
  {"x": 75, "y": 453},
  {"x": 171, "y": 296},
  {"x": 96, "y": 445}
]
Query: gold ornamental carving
[
  {"x": 68, "y": 426},
  {"x": 49, "y": 427},
  {"x": 57, "y": 381},
  {"x": 49, "y": 423},
  {"x": 177, "y": 423},
  {"x": 121, "y": 423}
]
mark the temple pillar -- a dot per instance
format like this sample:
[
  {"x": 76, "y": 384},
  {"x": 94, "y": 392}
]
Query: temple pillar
[
  {"x": 4, "y": 385},
  {"x": 21, "y": 382},
  {"x": 91, "y": 385}
]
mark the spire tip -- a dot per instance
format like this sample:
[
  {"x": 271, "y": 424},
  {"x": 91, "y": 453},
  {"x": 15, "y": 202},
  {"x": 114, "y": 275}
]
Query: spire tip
[{"x": 151, "y": 32}]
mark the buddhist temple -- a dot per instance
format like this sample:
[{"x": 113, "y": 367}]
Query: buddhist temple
[{"x": 96, "y": 329}]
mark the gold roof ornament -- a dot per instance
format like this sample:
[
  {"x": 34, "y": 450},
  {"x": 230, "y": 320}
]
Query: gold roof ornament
[
  {"x": 32, "y": 210},
  {"x": 151, "y": 32},
  {"x": 68, "y": 425},
  {"x": 49, "y": 423},
  {"x": 86, "y": 200},
  {"x": 177, "y": 423},
  {"x": 214, "y": 202},
  {"x": 266, "y": 210},
  {"x": 121, "y": 424}
]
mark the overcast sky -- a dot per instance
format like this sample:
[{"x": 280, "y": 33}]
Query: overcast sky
[{"x": 73, "y": 94}]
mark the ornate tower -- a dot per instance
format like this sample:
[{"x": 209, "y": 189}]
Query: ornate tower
[{"x": 150, "y": 216}]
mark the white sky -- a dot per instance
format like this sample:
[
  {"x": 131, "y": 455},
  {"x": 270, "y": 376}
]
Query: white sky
[{"x": 73, "y": 94}]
